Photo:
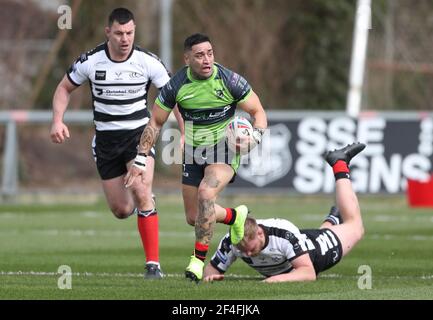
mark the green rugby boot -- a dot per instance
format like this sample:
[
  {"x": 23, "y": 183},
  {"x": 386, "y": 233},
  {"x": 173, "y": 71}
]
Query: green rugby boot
[
  {"x": 237, "y": 228},
  {"x": 194, "y": 271}
]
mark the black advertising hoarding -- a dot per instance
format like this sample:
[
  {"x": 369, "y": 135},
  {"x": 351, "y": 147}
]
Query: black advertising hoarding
[{"x": 399, "y": 146}]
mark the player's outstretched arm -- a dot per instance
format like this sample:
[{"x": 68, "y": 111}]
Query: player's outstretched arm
[
  {"x": 148, "y": 138},
  {"x": 303, "y": 270},
  {"x": 59, "y": 131},
  {"x": 212, "y": 274}
]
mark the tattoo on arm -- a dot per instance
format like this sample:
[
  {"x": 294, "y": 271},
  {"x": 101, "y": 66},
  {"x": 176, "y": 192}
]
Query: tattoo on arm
[
  {"x": 148, "y": 139},
  {"x": 205, "y": 222}
]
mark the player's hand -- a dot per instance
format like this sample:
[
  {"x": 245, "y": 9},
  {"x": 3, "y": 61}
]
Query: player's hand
[
  {"x": 256, "y": 138},
  {"x": 244, "y": 144},
  {"x": 132, "y": 174},
  {"x": 137, "y": 169},
  {"x": 213, "y": 277},
  {"x": 59, "y": 132}
]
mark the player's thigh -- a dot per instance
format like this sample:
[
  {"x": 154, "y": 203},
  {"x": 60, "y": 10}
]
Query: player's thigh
[
  {"x": 348, "y": 236},
  {"x": 190, "y": 202},
  {"x": 118, "y": 198},
  {"x": 216, "y": 177}
]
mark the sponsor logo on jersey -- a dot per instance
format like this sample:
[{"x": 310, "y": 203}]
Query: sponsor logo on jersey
[
  {"x": 100, "y": 74},
  {"x": 234, "y": 80},
  {"x": 118, "y": 92},
  {"x": 219, "y": 93},
  {"x": 135, "y": 75},
  {"x": 276, "y": 258},
  {"x": 207, "y": 115}
]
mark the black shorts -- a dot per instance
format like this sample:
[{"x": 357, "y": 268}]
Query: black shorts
[
  {"x": 328, "y": 250},
  {"x": 196, "y": 159},
  {"x": 112, "y": 150}
]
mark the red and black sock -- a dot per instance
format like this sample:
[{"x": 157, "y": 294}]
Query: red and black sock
[
  {"x": 341, "y": 170},
  {"x": 200, "y": 251},
  {"x": 230, "y": 216},
  {"x": 147, "y": 222}
]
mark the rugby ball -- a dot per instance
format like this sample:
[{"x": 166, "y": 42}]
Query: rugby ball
[{"x": 239, "y": 135}]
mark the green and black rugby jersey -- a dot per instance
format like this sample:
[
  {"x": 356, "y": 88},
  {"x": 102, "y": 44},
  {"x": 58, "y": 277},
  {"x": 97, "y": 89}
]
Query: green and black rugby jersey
[{"x": 207, "y": 106}]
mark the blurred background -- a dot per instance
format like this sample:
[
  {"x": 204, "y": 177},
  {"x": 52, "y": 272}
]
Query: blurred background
[{"x": 295, "y": 54}]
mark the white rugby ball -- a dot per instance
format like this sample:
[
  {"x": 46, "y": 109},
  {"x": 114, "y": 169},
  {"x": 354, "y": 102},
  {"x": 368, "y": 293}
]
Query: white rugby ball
[{"x": 239, "y": 131}]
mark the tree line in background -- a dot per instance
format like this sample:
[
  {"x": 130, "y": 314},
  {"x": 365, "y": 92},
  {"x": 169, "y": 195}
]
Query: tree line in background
[{"x": 296, "y": 54}]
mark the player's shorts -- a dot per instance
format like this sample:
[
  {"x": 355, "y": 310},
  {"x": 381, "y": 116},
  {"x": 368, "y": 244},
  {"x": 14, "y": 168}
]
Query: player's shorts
[
  {"x": 112, "y": 150},
  {"x": 328, "y": 250},
  {"x": 196, "y": 159}
]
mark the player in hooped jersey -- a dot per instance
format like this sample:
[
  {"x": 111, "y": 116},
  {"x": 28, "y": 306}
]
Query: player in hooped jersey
[
  {"x": 120, "y": 74},
  {"x": 281, "y": 252},
  {"x": 207, "y": 95}
]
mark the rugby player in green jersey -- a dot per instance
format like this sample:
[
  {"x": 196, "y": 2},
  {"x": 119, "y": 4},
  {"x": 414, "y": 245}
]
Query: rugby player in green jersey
[{"x": 207, "y": 95}]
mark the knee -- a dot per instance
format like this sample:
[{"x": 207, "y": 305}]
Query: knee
[
  {"x": 190, "y": 217},
  {"x": 206, "y": 194},
  {"x": 122, "y": 212},
  {"x": 190, "y": 221},
  {"x": 143, "y": 198},
  {"x": 359, "y": 232}
]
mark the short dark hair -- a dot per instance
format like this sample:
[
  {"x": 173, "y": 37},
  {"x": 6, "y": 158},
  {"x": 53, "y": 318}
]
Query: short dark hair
[
  {"x": 121, "y": 15},
  {"x": 194, "y": 39}
]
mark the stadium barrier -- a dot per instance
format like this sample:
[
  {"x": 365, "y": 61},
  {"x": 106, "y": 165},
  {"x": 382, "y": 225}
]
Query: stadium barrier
[
  {"x": 399, "y": 147},
  {"x": 10, "y": 119}
]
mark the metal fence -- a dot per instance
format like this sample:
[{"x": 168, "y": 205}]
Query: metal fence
[{"x": 11, "y": 148}]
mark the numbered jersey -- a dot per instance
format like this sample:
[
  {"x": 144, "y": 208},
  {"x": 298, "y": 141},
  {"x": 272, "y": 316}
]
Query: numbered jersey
[
  {"x": 119, "y": 88},
  {"x": 284, "y": 242}
]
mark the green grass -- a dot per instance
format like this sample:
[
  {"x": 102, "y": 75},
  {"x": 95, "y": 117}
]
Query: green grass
[{"x": 106, "y": 257}]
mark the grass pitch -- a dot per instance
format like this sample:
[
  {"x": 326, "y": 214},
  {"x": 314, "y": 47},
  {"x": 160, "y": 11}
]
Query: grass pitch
[{"x": 106, "y": 257}]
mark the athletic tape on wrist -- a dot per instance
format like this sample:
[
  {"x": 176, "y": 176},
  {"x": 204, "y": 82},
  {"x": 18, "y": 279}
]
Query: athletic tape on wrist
[{"x": 140, "y": 160}]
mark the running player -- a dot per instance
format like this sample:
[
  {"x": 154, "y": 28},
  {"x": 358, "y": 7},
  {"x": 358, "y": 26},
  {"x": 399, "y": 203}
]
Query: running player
[
  {"x": 207, "y": 95},
  {"x": 120, "y": 74}
]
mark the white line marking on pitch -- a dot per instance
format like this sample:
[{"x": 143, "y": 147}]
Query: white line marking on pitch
[
  {"x": 181, "y": 275},
  {"x": 105, "y": 274}
]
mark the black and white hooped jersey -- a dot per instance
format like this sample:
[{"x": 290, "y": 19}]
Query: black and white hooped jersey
[
  {"x": 283, "y": 243},
  {"x": 119, "y": 89}
]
